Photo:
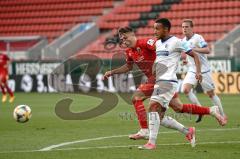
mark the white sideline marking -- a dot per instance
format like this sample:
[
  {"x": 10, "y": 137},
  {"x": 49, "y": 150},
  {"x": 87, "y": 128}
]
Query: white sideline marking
[
  {"x": 119, "y": 136},
  {"x": 80, "y": 141},
  {"x": 121, "y": 146},
  {"x": 51, "y": 148},
  {"x": 129, "y": 146}
]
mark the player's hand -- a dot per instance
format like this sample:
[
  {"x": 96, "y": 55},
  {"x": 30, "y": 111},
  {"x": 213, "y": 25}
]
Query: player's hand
[
  {"x": 199, "y": 77},
  {"x": 185, "y": 62},
  {"x": 107, "y": 74},
  {"x": 184, "y": 58}
]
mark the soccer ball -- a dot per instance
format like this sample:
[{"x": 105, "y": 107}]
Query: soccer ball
[{"x": 22, "y": 113}]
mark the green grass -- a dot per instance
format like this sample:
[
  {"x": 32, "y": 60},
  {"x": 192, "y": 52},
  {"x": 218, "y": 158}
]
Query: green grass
[{"x": 45, "y": 128}]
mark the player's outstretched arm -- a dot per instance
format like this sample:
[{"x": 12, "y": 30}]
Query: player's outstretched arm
[
  {"x": 198, "y": 65},
  {"x": 204, "y": 50},
  {"x": 184, "y": 58},
  {"x": 123, "y": 69}
]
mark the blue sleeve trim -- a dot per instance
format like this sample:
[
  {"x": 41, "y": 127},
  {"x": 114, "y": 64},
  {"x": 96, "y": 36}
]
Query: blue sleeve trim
[
  {"x": 188, "y": 51},
  {"x": 204, "y": 46}
]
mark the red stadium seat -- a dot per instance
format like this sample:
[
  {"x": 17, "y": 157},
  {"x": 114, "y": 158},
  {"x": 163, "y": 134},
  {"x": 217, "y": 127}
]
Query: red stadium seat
[
  {"x": 210, "y": 17},
  {"x": 29, "y": 16}
]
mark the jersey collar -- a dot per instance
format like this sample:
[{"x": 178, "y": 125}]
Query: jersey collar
[
  {"x": 165, "y": 39},
  {"x": 190, "y": 37}
]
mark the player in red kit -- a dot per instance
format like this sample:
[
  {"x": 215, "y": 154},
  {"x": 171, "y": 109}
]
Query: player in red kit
[
  {"x": 142, "y": 53},
  {"x": 4, "y": 62}
]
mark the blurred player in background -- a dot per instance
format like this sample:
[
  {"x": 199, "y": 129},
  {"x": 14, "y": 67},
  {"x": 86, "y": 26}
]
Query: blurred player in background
[
  {"x": 199, "y": 45},
  {"x": 4, "y": 62},
  {"x": 142, "y": 53}
]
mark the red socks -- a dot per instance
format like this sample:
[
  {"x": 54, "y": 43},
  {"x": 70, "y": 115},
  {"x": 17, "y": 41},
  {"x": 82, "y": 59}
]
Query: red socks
[
  {"x": 8, "y": 90},
  {"x": 187, "y": 108},
  {"x": 3, "y": 90},
  {"x": 141, "y": 113},
  {"x": 195, "y": 109}
]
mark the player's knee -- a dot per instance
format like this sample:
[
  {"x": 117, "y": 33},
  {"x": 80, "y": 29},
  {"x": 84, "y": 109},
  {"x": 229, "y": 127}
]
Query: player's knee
[
  {"x": 154, "y": 107},
  {"x": 177, "y": 109},
  {"x": 186, "y": 91},
  {"x": 136, "y": 98}
]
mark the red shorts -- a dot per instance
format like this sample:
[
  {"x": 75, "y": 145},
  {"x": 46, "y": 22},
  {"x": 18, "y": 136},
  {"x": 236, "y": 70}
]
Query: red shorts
[
  {"x": 3, "y": 76},
  {"x": 147, "y": 89}
]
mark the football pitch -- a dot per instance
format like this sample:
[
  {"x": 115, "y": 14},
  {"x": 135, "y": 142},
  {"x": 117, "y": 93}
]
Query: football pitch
[{"x": 47, "y": 136}]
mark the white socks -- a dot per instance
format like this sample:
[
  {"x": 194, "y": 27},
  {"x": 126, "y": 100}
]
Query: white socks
[
  {"x": 216, "y": 101},
  {"x": 171, "y": 123},
  {"x": 154, "y": 124},
  {"x": 192, "y": 97},
  {"x": 168, "y": 122}
]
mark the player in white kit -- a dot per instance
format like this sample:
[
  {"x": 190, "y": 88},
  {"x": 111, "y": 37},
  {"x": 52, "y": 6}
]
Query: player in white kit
[
  {"x": 168, "y": 52},
  {"x": 198, "y": 45}
]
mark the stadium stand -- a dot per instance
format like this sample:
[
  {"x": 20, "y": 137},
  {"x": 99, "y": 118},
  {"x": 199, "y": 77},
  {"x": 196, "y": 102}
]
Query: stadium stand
[
  {"x": 131, "y": 13},
  {"x": 22, "y": 45},
  {"x": 52, "y": 18},
  {"x": 213, "y": 18}
]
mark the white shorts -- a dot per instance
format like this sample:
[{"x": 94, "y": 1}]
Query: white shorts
[
  {"x": 207, "y": 81},
  {"x": 164, "y": 92}
]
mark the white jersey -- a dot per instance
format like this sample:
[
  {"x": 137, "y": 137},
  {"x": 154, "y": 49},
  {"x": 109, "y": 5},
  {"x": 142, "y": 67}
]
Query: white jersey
[
  {"x": 197, "y": 41},
  {"x": 168, "y": 56}
]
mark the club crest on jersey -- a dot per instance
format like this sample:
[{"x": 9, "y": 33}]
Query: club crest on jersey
[
  {"x": 166, "y": 46},
  {"x": 138, "y": 50},
  {"x": 150, "y": 42},
  {"x": 191, "y": 45}
]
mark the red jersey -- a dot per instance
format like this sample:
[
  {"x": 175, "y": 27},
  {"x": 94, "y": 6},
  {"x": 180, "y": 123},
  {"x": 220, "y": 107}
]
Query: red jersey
[
  {"x": 143, "y": 55},
  {"x": 3, "y": 61}
]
